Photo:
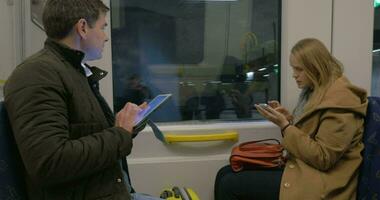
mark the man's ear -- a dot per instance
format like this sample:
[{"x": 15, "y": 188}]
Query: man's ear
[{"x": 81, "y": 28}]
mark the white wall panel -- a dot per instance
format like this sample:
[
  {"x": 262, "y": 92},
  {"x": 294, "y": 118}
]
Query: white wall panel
[
  {"x": 6, "y": 40},
  {"x": 154, "y": 165},
  {"x": 34, "y": 36},
  {"x": 10, "y": 42},
  {"x": 353, "y": 38},
  {"x": 301, "y": 19}
]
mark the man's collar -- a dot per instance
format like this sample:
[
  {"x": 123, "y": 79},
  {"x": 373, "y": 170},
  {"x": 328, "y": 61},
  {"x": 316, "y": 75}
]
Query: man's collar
[
  {"x": 87, "y": 70},
  {"x": 96, "y": 73},
  {"x": 74, "y": 57}
]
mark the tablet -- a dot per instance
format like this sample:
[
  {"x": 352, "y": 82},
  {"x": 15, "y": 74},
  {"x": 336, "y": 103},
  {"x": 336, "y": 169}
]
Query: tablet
[{"x": 152, "y": 106}]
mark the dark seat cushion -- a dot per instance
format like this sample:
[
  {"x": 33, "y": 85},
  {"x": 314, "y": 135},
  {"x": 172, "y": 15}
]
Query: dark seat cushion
[
  {"x": 369, "y": 180},
  {"x": 11, "y": 170}
]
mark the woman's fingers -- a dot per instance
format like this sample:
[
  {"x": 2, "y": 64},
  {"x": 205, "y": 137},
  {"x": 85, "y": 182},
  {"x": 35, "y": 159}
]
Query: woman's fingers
[
  {"x": 282, "y": 110},
  {"x": 272, "y": 115},
  {"x": 285, "y": 112},
  {"x": 274, "y": 104},
  {"x": 266, "y": 112}
]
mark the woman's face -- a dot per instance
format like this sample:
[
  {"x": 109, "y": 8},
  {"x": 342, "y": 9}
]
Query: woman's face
[{"x": 299, "y": 73}]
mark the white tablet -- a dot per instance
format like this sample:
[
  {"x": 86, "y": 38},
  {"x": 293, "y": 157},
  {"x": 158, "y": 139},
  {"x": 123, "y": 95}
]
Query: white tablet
[{"x": 152, "y": 106}]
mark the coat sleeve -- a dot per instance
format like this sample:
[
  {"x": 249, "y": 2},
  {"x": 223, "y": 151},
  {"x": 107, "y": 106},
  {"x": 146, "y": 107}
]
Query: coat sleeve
[
  {"x": 335, "y": 133},
  {"x": 39, "y": 117}
]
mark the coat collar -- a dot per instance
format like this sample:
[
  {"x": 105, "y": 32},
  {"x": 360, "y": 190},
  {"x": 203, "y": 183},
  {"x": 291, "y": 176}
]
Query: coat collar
[
  {"x": 341, "y": 95},
  {"x": 75, "y": 58},
  {"x": 97, "y": 74}
]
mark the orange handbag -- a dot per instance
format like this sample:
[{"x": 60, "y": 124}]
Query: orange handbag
[{"x": 257, "y": 154}]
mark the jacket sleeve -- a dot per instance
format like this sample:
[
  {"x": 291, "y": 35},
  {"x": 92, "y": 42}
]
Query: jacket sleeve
[
  {"x": 335, "y": 133},
  {"x": 38, "y": 114}
]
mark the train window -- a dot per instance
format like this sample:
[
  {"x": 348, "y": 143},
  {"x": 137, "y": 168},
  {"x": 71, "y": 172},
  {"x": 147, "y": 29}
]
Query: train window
[
  {"x": 375, "y": 90},
  {"x": 217, "y": 57}
]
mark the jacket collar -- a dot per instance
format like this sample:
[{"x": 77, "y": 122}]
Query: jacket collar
[
  {"x": 341, "y": 95},
  {"x": 75, "y": 58},
  {"x": 97, "y": 74}
]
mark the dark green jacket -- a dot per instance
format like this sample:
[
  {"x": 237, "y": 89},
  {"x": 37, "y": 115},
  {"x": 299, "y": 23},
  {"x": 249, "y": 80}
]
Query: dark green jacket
[{"x": 67, "y": 142}]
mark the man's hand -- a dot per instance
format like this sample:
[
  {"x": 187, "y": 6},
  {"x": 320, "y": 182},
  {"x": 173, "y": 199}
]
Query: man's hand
[
  {"x": 126, "y": 117},
  {"x": 137, "y": 129}
]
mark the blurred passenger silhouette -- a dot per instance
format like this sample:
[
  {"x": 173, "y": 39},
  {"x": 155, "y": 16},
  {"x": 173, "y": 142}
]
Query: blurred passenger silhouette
[{"x": 137, "y": 91}]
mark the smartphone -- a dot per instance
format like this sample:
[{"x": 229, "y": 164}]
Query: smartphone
[{"x": 263, "y": 105}]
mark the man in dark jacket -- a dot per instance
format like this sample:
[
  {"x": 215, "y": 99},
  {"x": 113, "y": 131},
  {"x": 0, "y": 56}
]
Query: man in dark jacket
[{"x": 71, "y": 144}]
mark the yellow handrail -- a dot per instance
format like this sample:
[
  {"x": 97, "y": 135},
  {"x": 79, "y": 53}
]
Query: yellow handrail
[
  {"x": 2, "y": 81},
  {"x": 225, "y": 136}
]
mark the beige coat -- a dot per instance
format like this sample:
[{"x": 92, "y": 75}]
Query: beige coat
[{"x": 324, "y": 147}]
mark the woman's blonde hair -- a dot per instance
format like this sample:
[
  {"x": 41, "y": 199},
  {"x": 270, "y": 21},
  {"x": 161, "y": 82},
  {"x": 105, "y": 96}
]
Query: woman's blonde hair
[{"x": 319, "y": 66}]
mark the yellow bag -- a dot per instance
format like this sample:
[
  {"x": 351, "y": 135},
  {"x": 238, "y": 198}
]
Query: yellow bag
[{"x": 177, "y": 193}]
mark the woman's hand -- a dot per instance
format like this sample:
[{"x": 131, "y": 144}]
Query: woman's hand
[
  {"x": 279, "y": 108},
  {"x": 273, "y": 115}
]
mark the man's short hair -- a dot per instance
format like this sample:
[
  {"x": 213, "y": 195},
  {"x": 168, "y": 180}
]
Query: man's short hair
[{"x": 60, "y": 16}]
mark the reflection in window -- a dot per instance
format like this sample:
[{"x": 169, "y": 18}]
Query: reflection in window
[
  {"x": 375, "y": 90},
  {"x": 217, "y": 58}
]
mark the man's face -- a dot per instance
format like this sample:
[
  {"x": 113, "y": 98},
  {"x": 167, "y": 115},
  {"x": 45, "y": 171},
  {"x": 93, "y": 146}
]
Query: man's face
[
  {"x": 299, "y": 73},
  {"x": 96, "y": 37}
]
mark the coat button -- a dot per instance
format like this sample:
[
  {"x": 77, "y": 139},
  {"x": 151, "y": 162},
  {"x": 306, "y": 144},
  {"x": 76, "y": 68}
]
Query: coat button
[
  {"x": 291, "y": 166},
  {"x": 119, "y": 180},
  {"x": 287, "y": 185}
]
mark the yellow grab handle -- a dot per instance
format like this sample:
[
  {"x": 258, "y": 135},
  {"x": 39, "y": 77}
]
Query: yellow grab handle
[
  {"x": 2, "y": 81},
  {"x": 228, "y": 135}
]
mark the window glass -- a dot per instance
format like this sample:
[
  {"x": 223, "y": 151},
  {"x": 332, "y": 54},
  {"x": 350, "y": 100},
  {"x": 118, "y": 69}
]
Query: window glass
[
  {"x": 217, "y": 58},
  {"x": 375, "y": 90}
]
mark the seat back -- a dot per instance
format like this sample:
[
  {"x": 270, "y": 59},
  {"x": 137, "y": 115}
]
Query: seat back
[
  {"x": 369, "y": 175},
  {"x": 11, "y": 169}
]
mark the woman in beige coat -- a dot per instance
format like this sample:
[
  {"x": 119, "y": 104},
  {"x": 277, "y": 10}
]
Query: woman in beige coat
[{"x": 322, "y": 136}]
